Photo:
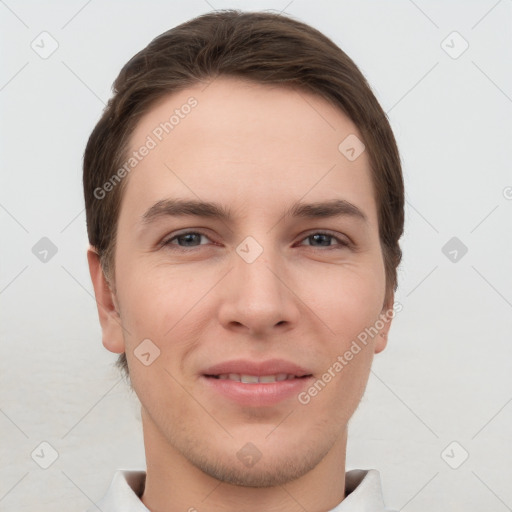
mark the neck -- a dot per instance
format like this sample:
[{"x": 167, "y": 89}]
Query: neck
[{"x": 174, "y": 484}]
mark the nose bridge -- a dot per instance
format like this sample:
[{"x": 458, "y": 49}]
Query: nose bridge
[
  {"x": 253, "y": 268},
  {"x": 257, "y": 296}
]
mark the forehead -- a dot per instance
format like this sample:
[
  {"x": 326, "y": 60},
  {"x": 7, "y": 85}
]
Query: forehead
[{"x": 231, "y": 140}]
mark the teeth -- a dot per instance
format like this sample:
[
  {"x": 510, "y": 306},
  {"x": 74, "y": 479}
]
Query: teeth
[
  {"x": 267, "y": 378},
  {"x": 254, "y": 379},
  {"x": 249, "y": 379}
]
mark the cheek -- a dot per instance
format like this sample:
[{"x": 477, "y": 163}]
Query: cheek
[
  {"x": 348, "y": 299},
  {"x": 169, "y": 307},
  {"x": 334, "y": 395},
  {"x": 339, "y": 386},
  {"x": 348, "y": 386},
  {"x": 349, "y": 302},
  {"x": 155, "y": 298}
]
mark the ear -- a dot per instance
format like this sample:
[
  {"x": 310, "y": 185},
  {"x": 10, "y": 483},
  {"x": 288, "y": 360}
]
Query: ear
[
  {"x": 108, "y": 311},
  {"x": 386, "y": 316}
]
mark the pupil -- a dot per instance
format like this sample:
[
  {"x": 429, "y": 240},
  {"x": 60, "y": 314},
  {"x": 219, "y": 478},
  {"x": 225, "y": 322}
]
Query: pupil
[
  {"x": 325, "y": 238},
  {"x": 189, "y": 237}
]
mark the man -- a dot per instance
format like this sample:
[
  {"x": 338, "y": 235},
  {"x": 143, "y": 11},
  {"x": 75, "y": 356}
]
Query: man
[{"x": 244, "y": 202}]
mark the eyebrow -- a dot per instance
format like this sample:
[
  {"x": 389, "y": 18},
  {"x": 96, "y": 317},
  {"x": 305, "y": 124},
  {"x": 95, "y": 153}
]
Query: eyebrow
[{"x": 317, "y": 210}]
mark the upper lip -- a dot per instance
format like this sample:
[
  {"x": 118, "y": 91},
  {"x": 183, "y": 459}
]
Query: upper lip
[{"x": 248, "y": 367}]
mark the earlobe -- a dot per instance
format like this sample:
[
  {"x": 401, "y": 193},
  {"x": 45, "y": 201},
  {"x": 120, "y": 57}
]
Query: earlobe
[
  {"x": 386, "y": 318},
  {"x": 108, "y": 311},
  {"x": 381, "y": 342}
]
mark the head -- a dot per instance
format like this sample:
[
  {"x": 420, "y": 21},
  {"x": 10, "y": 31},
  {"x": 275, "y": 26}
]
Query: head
[{"x": 257, "y": 114}]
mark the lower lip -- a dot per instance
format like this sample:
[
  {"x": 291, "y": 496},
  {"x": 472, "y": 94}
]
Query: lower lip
[{"x": 261, "y": 394}]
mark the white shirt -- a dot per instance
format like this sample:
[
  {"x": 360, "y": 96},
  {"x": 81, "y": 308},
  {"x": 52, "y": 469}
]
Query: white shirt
[{"x": 362, "y": 489}]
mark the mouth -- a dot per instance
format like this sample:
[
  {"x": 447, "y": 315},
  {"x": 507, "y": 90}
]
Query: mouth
[
  {"x": 257, "y": 379},
  {"x": 249, "y": 383}
]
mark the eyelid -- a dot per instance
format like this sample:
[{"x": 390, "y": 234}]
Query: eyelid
[
  {"x": 342, "y": 242},
  {"x": 173, "y": 236}
]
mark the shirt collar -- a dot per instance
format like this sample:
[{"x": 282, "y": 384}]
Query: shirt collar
[
  {"x": 363, "y": 492},
  {"x": 362, "y": 489}
]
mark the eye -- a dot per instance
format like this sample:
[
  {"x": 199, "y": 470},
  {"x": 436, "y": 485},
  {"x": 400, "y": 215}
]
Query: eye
[
  {"x": 325, "y": 239},
  {"x": 187, "y": 239},
  {"x": 192, "y": 239}
]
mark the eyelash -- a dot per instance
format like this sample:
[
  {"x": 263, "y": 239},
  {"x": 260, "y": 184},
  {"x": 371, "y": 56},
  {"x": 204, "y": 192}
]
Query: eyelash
[{"x": 342, "y": 244}]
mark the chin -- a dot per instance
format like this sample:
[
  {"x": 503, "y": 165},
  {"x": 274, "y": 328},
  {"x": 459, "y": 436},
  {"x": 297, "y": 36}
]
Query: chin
[
  {"x": 258, "y": 464},
  {"x": 264, "y": 473}
]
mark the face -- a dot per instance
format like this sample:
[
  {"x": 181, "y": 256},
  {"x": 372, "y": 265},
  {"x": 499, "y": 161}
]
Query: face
[{"x": 271, "y": 289}]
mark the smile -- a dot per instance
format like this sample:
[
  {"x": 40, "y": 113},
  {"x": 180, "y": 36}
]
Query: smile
[{"x": 255, "y": 379}]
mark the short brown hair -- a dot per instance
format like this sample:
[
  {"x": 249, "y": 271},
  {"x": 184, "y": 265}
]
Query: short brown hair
[{"x": 262, "y": 47}]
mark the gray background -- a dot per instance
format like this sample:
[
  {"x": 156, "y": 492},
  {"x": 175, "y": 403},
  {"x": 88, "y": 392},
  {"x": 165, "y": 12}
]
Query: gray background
[{"x": 446, "y": 373}]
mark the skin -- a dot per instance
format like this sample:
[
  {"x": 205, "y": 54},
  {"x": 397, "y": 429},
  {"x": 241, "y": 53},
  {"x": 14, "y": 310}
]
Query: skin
[{"x": 256, "y": 149}]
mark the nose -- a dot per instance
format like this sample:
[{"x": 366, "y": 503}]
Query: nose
[{"x": 258, "y": 297}]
